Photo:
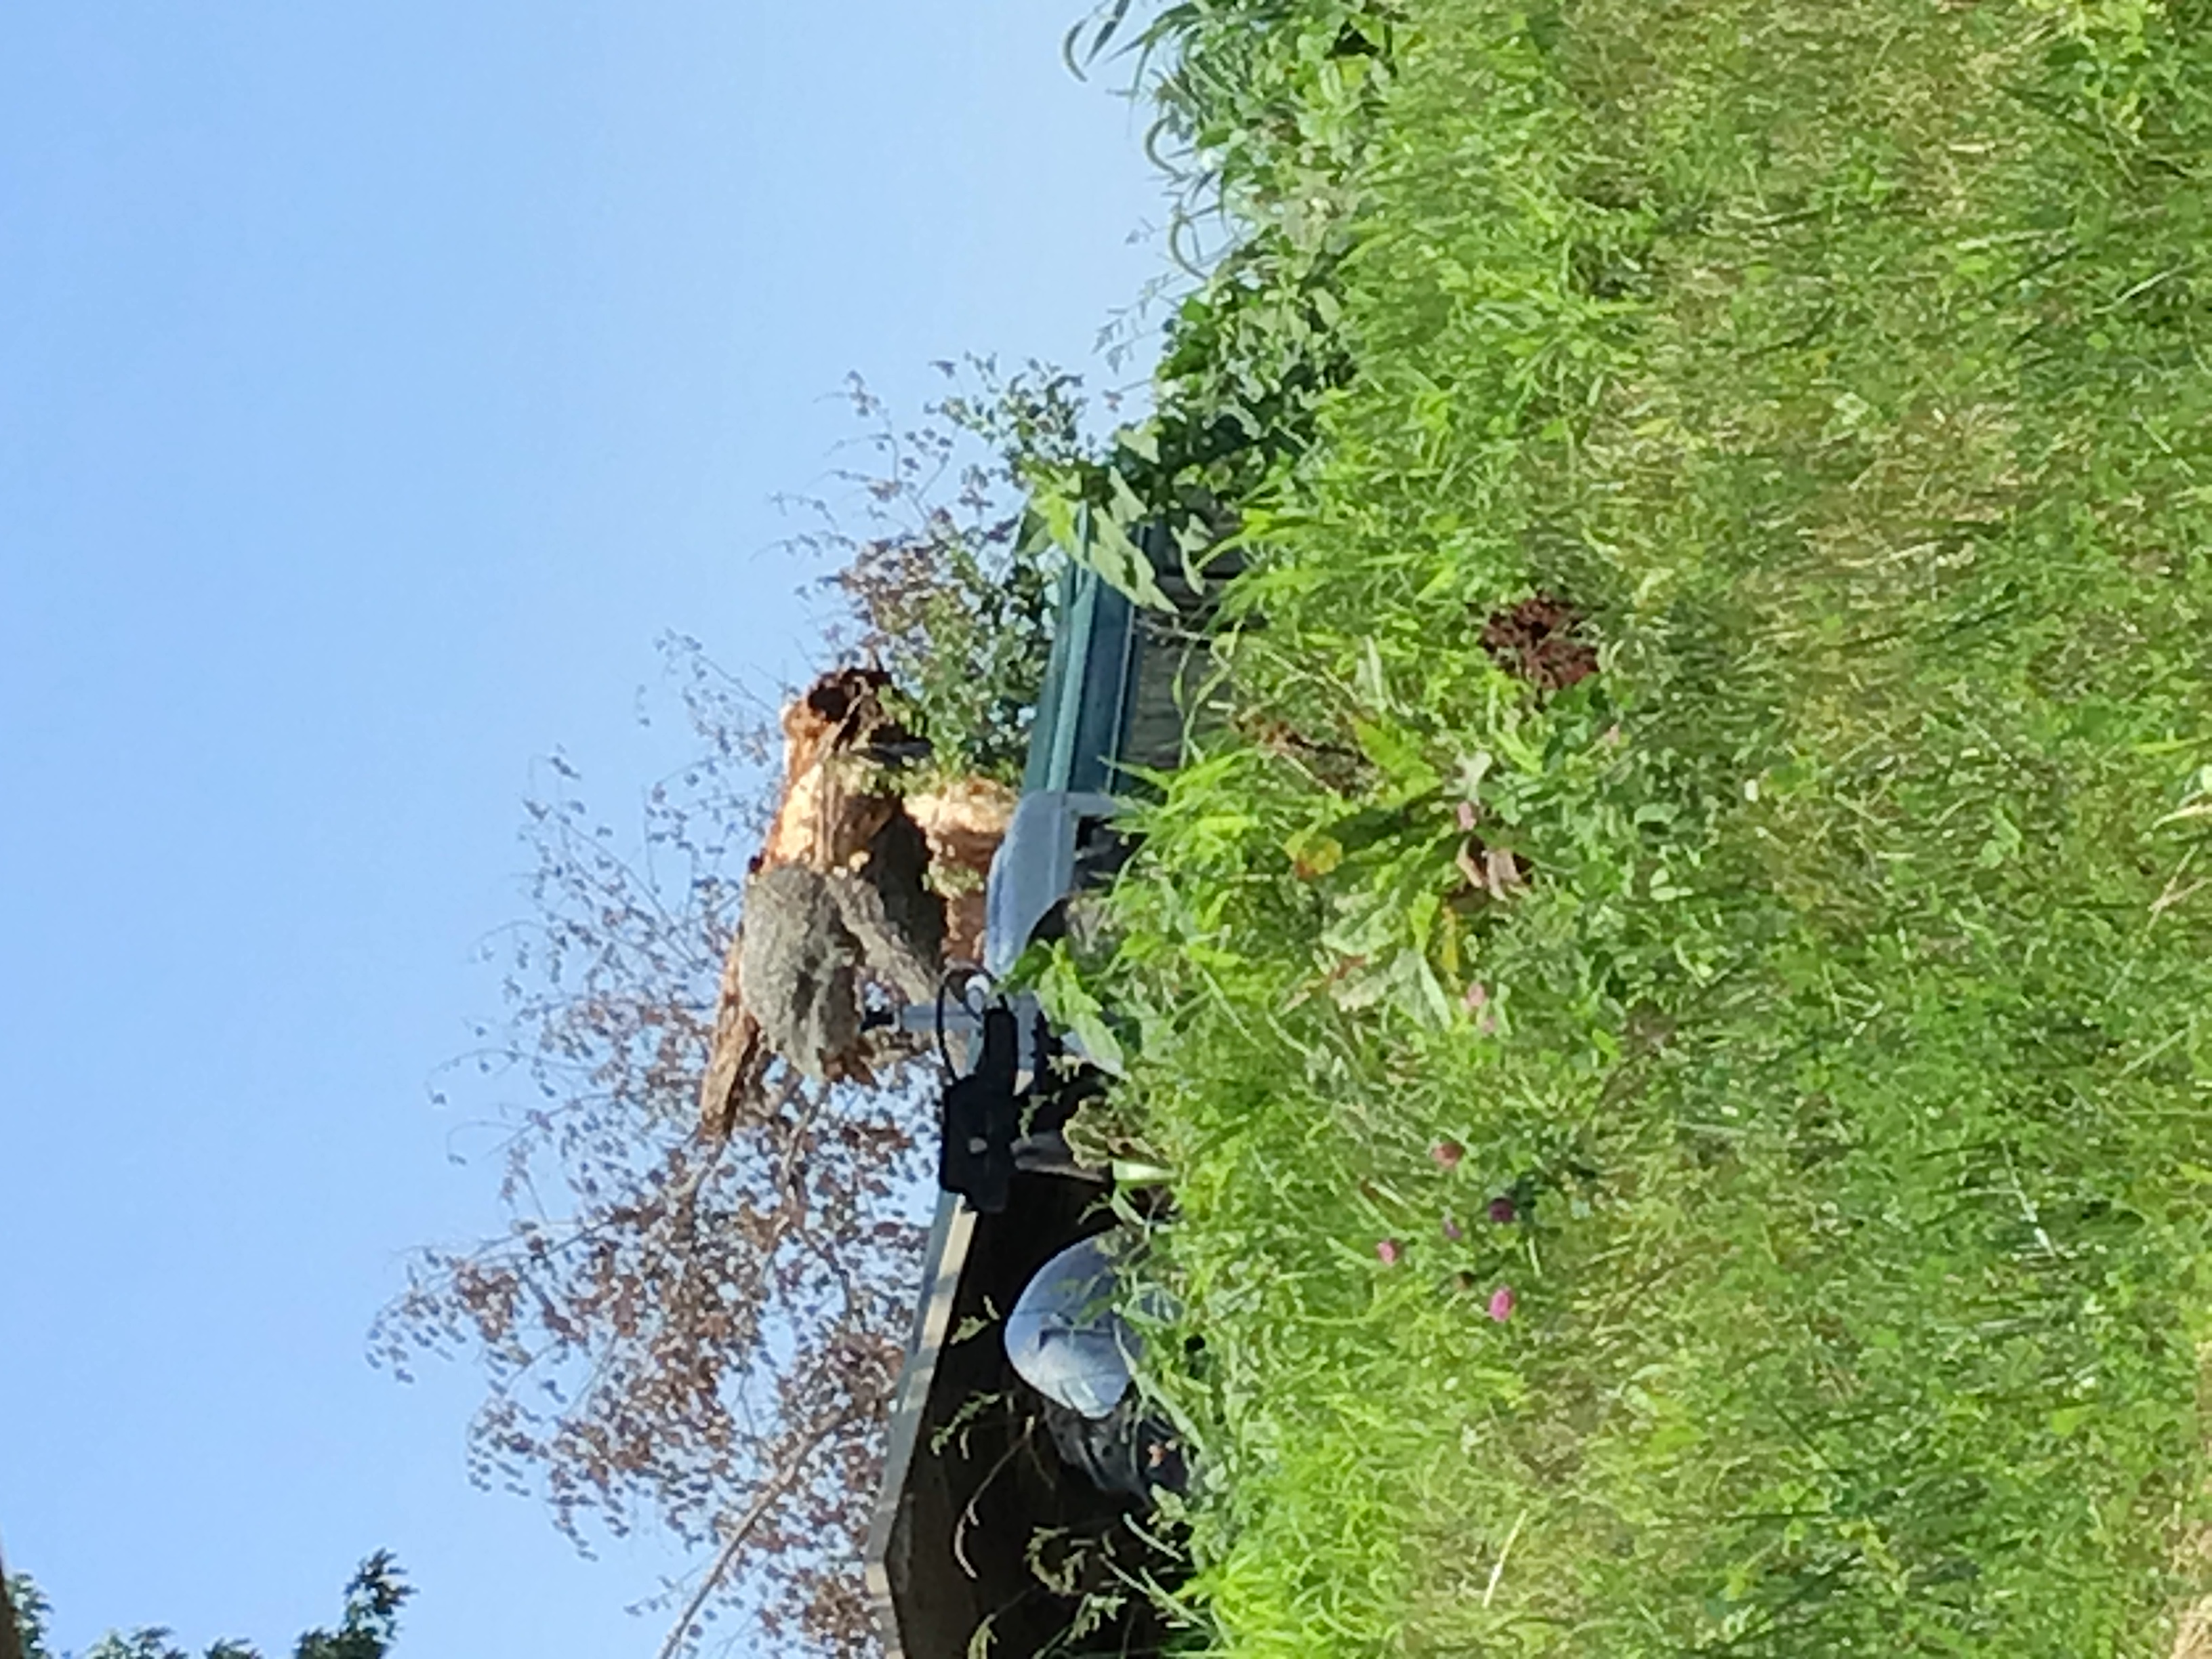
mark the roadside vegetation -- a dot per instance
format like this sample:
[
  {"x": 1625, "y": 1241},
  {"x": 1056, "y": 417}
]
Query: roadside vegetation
[
  {"x": 1678, "y": 1003},
  {"x": 1675, "y": 999}
]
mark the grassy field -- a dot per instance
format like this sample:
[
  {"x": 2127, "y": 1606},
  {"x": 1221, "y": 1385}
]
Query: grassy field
[{"x": 1817, "y": 965}]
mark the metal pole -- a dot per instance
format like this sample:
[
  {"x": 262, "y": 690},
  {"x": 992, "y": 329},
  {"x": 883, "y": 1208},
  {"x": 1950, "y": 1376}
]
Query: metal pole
[{"x": 924, "y": 1019}]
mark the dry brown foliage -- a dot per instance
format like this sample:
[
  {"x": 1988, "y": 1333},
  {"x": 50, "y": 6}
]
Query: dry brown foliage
[
  {"x": 701, "y": 1331},
  {"x": 671, "y": 1327}
]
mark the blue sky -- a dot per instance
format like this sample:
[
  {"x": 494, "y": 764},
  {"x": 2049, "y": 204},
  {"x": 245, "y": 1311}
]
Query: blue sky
[{"x": 376, "y": 384}]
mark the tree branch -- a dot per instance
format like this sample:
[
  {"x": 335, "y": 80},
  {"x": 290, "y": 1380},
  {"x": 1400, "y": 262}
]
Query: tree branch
[{"x": 778, "y": 1485}]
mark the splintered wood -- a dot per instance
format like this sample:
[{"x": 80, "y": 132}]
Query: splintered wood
[{"x": 855, "y": 886}]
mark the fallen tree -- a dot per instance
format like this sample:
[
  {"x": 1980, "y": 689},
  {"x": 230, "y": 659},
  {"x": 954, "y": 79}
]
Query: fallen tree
[{"x": 694, "y": 1318}]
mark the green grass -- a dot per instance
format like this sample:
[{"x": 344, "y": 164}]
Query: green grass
[{"x": 1846, "y": 362}]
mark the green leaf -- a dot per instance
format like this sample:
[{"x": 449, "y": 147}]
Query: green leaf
[
  {"x": 1068, "y": 1002},
  {"x": 1121, "y": 563},
  {"x": 1313, "y": 854},
  {"x": 1399, "y": 755}
]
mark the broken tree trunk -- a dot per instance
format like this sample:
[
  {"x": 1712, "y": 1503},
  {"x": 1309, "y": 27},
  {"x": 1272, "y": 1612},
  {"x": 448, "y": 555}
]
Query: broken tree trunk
[{"x": 855, "y": 886}]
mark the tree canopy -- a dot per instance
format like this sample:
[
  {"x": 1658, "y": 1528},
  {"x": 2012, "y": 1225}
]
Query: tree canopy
[{"x": 367, "y": 1630}]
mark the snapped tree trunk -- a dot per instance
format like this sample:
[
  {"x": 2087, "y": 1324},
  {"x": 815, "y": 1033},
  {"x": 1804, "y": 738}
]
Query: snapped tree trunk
[{"x": 855, "y": 886}]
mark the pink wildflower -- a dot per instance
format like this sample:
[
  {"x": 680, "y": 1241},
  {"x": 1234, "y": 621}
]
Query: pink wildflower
[
  {"x": 1447, "y": 1154},
  {"x": 1386, "y": 1251},
  {"x": 1501, "y": 1304},
  {"x": 1452, "y": 1230},
  {"x": 1477, "y": 994},
  {"x": 1502, "y": 1209},
  {"x": 1465, "y": 815}
]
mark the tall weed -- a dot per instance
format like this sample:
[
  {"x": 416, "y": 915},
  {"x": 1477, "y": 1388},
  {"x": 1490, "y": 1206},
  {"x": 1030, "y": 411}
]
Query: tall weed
[{"x": 1819, "y": 983}]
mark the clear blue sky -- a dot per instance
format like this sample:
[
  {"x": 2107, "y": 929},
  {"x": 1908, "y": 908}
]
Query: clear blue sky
[{"x": 376, "y": 383}]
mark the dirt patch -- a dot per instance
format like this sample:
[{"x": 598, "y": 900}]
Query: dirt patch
[{"x": 1538, "y": 640}]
